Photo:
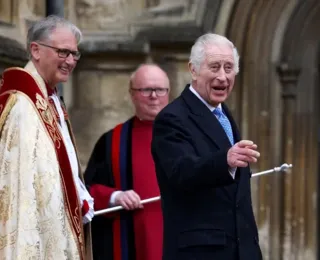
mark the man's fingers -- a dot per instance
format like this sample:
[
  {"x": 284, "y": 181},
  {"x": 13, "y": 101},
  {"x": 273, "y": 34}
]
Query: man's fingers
[
  {"x": 244, "y": 143},
  {"x": 134, "y": 195},
  {"x": 245, "y": 158},
  {"x": 235, "y": 152},
  {"x": 129, "y": 200},
  {"x": 239, "y": 163},
  {"x": 134, "y": 199},
  {"x": 133, "y": 203},
  {"x": 138, "y": 199},
  {"x": 254, "y": 147},
  {"x": 243, "y": 153},
  {"x": 124, "y": 204},
  {"x": 249, "y": 152}
]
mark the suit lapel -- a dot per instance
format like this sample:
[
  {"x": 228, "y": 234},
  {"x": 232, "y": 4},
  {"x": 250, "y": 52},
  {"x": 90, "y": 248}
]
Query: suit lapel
[
  {"x": 210, "y": 126},
  {"x": 206, "y": 121}
]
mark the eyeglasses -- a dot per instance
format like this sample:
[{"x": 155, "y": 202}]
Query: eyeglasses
[
  {"x": 64, "y": 53},
  {"x": 147, "y": 92}
]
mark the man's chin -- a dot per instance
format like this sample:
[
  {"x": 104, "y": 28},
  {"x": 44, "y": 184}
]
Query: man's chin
[
  {"x": 218, "y": 100},
  {"x": 153, "y": 114},
  {"x": 63, "y": 78}
]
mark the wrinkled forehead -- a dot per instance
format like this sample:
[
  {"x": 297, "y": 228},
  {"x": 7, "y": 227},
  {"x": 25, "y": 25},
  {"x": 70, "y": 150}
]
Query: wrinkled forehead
[
  {"x": 219, "y": 53},
  {"x": 62, "y": 35},
  {"x": 152, "y": 80}
]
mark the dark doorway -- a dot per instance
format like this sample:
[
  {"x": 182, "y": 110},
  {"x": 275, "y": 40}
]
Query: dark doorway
[{"x": 318, "y": 140}]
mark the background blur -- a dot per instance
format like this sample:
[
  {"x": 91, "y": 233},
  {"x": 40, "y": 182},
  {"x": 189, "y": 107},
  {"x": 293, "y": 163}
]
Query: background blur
[{"x": 275, "y": 100}]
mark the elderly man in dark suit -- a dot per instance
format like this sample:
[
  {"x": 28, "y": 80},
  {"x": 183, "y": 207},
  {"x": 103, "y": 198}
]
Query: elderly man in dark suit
[{"x": 202, "y": 164}]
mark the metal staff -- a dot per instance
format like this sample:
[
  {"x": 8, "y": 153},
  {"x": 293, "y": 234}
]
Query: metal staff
[
  {"x": 283, "y": 167},
  {"x": 109, "y": 210}
]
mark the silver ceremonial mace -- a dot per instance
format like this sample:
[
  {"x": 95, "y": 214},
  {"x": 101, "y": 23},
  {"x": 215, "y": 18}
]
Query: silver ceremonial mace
[{"x": 284, "y": 167}]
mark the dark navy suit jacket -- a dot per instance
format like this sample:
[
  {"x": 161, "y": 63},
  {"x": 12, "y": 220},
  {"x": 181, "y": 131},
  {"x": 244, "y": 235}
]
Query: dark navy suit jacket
[{"x": 207, "y": 214}]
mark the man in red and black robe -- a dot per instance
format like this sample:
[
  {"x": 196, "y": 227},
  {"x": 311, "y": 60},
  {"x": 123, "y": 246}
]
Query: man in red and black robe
[{"x": 121, "y": 172}]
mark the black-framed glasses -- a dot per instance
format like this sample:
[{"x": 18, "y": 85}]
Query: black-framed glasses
[
  {"x": 146, "y": 92},
  {"x": 64, "y": 53}
]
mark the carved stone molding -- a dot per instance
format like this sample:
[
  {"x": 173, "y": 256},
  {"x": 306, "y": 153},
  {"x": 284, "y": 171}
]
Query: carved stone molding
[
  {"x": 180, "y": 21},
  {"x": 177, "y": 21},
  {"x": 95, "y": 43},
  {"x": 97, "y": 15},
  {"x": 288, "y": 77}
]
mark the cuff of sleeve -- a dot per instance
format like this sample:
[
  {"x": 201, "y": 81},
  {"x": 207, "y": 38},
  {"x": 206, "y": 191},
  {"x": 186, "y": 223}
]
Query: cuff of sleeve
[
  {"x": 101, "y": 195},
  {"x": 113, "y": 198},
  {"x": 88, "y": 217},
  {"x": 232, "y": 172},
  {"x": 85, "y": 207}
]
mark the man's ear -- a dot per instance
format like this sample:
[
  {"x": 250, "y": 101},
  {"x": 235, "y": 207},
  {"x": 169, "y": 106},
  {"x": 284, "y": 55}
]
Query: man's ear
[
  {"x": 193, "y": 71},
  {"x": 35, "y": 50}
]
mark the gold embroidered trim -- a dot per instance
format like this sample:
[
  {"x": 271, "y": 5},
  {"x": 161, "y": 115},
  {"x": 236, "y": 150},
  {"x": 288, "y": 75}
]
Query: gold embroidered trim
[
  {"x": 4, "y": 111},
  {"x": 47, "y": 116}
]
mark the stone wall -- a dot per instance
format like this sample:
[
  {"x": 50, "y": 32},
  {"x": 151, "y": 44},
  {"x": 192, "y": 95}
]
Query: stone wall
[
  {"x": 118, "y": 36},
  {"x": 121, "y": 34}
]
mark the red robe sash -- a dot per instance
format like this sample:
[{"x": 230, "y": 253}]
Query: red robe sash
[{"x": 19, "y": 80}]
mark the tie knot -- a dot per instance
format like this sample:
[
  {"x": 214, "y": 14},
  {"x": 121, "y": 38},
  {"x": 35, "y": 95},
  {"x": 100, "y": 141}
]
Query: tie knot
[{"x": 217, "y": 112}]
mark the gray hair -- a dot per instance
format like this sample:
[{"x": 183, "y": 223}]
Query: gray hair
[
  {"x": 197, "y": 54},
  {"x": 42, "y": 29}
]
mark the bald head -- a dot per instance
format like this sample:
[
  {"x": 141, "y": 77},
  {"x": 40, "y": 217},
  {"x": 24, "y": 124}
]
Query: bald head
[
  {"x": 145, "y": 71},
  {"x": 149, "y": 88}
]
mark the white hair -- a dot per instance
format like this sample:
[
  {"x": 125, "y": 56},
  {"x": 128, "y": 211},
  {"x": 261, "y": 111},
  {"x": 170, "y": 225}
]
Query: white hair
[
  {"x": 197, "y": 54},
  {"x": 42, "y": 29}
]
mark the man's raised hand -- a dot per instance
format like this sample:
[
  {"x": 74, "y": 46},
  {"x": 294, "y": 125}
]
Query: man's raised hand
[{"x": 242, "y": 153}]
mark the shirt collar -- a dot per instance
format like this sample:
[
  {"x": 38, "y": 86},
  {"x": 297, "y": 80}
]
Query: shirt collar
[
  {"x": 51, "y": 91},
  {"x": 211, "y": 108}
]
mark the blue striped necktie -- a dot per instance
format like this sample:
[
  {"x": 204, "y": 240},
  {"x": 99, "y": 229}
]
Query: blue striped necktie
[{"x": 225, "y": 123}]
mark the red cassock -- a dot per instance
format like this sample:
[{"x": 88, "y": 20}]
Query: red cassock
[
  {"x": 147, "y": 222},
  {"x": 122, "y": 160}
]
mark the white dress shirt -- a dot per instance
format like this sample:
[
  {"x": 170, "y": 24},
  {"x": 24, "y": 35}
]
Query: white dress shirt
[{"x": 81, "y": 189}]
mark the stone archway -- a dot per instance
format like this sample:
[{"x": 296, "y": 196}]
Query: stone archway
[
  {"x": 276, "y": 89},
  {"x": 300, "y": 51}
]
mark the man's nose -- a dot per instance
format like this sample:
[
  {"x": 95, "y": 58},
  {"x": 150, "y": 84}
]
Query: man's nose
[
  {"x": 222, "y": 75},
  {"x": 153, "y": 94},
  {"x": 70, "y": 59}
]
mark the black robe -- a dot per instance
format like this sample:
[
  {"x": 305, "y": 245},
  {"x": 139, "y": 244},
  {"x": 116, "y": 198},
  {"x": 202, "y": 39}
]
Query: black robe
[{"x": 112, "y": 237}]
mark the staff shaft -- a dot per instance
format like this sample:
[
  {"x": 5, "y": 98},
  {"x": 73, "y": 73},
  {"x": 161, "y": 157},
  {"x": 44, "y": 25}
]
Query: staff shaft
[{"x": 283, "y": 167}]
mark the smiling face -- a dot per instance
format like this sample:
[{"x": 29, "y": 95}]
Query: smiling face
[
  {"x": 215, "y": 78},
  {"x": 149, "y": 76},
  {"x": 52, "y": 68}
]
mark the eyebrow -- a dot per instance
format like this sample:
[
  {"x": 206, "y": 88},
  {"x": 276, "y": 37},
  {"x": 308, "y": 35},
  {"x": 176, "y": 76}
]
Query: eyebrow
[
  {"x": 66, "y": 48},
  {"x": 221, "y": 61}
]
